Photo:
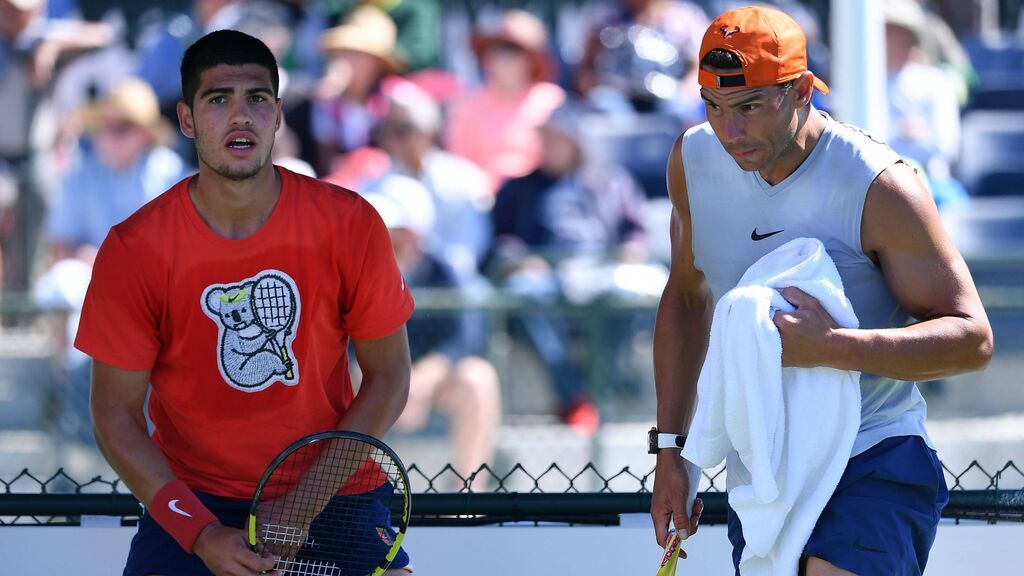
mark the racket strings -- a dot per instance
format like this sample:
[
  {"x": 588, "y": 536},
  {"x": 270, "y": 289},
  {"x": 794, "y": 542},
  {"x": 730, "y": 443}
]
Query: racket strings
[
  {"x": 272, "y": 301},
  {"x": 336, "y": 481},
  {"x": 308, "y": 568}
]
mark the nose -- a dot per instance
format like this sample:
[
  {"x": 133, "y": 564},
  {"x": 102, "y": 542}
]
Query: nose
[
  {"x": 240, "y": 113},
  {"x": 236, "y": 316},
  {"x": 732, "y": 128}
]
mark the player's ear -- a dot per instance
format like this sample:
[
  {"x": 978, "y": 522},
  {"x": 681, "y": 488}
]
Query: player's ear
[
  {"x": 185, "y": 121},
  {"x": 213, "y": 300},
  {"x": 803, "y": 89}
]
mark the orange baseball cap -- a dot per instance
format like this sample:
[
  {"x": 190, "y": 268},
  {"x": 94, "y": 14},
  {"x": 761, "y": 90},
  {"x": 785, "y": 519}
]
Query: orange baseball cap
[{"x": 770, "y": 44}]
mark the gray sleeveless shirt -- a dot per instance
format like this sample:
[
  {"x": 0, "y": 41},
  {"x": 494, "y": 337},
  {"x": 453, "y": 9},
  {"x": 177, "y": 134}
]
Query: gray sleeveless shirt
[{"x": 735, "y": 216}]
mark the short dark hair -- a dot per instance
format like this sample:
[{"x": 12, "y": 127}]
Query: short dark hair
[
  {"x": 721, "y": 59},
  {"x": 726, "y": 60},
  {"x": 224, "y": 47}
]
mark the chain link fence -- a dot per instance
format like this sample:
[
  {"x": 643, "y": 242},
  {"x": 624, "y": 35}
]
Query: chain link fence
[{"x": 551, "y": 494}]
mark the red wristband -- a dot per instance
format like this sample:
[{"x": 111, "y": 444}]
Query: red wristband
[{"x": 178, "y": 511}]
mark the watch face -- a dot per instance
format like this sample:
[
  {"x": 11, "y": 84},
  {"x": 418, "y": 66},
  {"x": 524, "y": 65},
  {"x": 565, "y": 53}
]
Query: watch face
[{"x": 652, "y": 441}]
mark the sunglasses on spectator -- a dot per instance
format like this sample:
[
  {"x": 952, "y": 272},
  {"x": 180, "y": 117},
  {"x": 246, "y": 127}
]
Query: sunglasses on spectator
[
  {"x": 398, "y": 129},
  {"x": 118, "y": 127}
]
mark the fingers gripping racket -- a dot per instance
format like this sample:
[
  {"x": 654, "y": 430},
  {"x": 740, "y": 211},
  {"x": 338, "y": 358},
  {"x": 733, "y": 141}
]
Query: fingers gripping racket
[
  {"x": 333, "y": 503},
  {"x": 273, "y": 303}
]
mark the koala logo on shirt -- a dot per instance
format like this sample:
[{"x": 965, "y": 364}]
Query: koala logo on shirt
[{"x": 256, "y": 319}]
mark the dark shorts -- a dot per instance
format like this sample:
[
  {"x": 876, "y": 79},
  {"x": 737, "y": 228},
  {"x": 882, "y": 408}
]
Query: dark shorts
[
  {"x": 882, "y": 518},
  {"x": 153, "y": 551}
]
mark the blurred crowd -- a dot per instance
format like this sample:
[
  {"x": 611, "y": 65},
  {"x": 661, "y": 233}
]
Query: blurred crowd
[{"x": 482, "y": 136}]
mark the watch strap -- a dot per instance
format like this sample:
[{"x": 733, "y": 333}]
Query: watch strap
[{"x": 667, "y": 440}]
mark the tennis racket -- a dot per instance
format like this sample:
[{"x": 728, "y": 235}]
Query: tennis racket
[
  {"x": 273, "y": 303},
  {"x": 333, "y": 503}
]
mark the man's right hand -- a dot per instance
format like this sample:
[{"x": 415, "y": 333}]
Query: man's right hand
[
  {"x": 225, "y": 553},
  {"x": 668, "y": 503}
]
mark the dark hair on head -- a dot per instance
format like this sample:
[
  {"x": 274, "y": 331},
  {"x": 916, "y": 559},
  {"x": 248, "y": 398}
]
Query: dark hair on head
[
  {"x": 721, "y": 59},
  {"x": 229, "y": 47},
  {"x": 725, "y": 60}
]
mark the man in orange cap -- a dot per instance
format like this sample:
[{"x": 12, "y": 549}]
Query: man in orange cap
[{"x": 767, "y": 168}]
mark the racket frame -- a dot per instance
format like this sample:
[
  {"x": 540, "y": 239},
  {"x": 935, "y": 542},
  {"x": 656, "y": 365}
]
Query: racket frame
[{"x": 402, "y": 476}]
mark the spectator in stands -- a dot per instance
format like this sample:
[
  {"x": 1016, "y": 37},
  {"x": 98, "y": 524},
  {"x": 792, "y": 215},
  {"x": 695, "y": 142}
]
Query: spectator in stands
[
  {"x": 418, "y": 24},
  {"x": 122, "y": 164},
  {"x": 162, "y": 46},
  {"x": 559, "y": 231},
  {"x": 408, "y": 133},
  {"x": 495, "y": 126},
  {"x": 639, "y": 59},
  {"x": 360, "y": 52},
  {"x": 449, "y": 373},
  {"x": 924, "y": 114},
  {"x": 31, "y": 45}
]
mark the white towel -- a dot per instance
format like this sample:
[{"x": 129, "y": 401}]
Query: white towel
[{"x": 792, "y": 428}]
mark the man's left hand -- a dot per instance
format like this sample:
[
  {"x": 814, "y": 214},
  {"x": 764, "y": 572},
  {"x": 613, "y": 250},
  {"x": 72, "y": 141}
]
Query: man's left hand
[{"x": 805, "y": 332}]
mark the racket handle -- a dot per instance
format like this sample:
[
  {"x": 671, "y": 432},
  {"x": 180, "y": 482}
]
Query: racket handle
[
  {"x": 284, "y": 357},
  {"x": 671, "y": 557}
]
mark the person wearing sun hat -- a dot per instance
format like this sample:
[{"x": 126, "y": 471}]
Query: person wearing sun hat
[
  {"x": 450, "y": 374},
  {"x": 495, "y": 126},
  {"x": 127, "y": 164},
  {"x": 360, "y": 52},
  {"x": 768, "y": 168}
]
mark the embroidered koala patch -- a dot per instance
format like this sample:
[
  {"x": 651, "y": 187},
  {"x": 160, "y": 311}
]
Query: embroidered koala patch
[{"x": 256, "y": 319}]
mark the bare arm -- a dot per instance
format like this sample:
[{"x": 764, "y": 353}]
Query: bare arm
[
  {"x": 902, "y": 232},
  {"x": 684, "y": 315},
  {"x": 120, "y": 428},
  {"x": 121, "y": 434},
  {"x": 680, "y": 342},
  {"x": 386, "y": 365}
]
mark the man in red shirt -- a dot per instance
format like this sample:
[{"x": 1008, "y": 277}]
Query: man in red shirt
[{"x": 180, "y": 295}]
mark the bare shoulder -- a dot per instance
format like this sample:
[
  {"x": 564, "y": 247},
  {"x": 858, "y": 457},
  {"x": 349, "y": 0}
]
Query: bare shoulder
[
  {"x": 676, "y": 178},
  {"x": 900, "y": 213},
  {"x": 684, "y": 276}
]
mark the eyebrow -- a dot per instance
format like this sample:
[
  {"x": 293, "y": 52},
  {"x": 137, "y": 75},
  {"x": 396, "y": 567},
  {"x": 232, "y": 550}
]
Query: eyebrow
[
  {"x": 230, "y": 90},
  {"x": 755, "y": 97}
]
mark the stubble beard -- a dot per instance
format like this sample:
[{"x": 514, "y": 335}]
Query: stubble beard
[{"x": 235, "y": 173}]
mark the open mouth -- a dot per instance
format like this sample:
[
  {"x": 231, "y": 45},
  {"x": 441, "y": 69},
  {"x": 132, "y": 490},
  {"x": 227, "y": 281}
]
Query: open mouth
[{"x": 241, "y": 143}]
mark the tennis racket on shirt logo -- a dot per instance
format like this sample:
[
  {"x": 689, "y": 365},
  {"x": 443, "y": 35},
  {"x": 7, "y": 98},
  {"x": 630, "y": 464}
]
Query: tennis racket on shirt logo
[
  {"x": 273, "y": 303},
  {"x": 333, "y": 503}
]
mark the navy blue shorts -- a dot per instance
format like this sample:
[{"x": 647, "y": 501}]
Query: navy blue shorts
[
  {"x": 882, "y": 518},
  {"x": 153, "y": 551}
]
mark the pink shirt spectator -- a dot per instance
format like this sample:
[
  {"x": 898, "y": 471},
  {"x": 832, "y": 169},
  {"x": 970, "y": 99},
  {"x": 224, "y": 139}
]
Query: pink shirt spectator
[{"x": 499, "y": 133}]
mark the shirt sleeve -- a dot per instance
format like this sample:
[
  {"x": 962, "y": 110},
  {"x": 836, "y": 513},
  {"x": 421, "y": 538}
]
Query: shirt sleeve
[
  {"x": 120, "y": 322},
  {"x": 380, "y": 301}
]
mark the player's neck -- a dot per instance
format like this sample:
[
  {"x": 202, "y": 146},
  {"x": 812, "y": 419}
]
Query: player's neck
[
  {"x": 806, "y": 137},
  {"x": 235, "y": 209}
]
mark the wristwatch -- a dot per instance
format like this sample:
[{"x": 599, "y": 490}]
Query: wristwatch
[{"x": 657, "y": 440}]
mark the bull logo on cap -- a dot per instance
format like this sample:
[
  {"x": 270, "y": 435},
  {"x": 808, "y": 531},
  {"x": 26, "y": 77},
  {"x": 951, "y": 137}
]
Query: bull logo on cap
[{"x": 726, "y": 32}]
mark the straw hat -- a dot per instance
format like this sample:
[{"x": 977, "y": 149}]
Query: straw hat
[
  {"x": 907, "y": 14},
  {"x": 368, "y": 30},
  {"x": 524, "y": 30},
  {"x": 132, "y": 100},
  {"x": 25, "y": 5}
]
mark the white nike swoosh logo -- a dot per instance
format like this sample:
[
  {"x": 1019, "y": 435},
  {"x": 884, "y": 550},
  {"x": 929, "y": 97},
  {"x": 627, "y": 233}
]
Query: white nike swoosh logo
[{"x": 173, "y": 505}]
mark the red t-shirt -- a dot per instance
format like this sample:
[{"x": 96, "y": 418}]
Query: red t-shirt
[{"x": 246, "y": 340}]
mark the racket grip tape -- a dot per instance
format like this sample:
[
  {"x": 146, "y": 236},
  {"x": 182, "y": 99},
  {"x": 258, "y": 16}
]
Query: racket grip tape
[
  {"x": 251, "y": 530},
  {"x": 180, "y": 513},
  {"x": 671, "y": 557}
]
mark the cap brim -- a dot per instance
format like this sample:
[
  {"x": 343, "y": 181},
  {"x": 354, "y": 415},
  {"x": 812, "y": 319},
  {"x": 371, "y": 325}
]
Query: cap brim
[{"x": 820, "y": 85}]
